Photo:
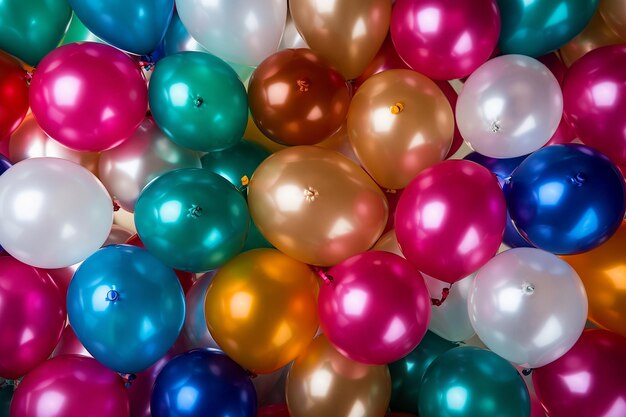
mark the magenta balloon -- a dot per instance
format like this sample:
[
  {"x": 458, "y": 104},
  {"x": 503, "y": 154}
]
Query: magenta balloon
[
  {"x": 70, "y": 345},
  {"x": 32, "y": 317},
  {"x": 69, "y": 386},
  {"x": 445, "y": 39},
  {"x": 450, "y": 219},
  {"x": 376, "y": 308},
  {"x": 88, "y": 96},
  {"x": 140, "y": 389},
  {"x": 589, "y": 380}
]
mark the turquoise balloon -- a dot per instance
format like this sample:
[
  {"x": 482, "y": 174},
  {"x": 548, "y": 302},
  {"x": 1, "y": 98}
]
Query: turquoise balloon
[
  {"x": 126, "y": 307},
  {"x": 472, "y": 382},
  {"x": 198, "y": 101},
  {"x": 78, "y": 32},
  {"x": 29, "y": 29},
  {"x": 536, "y": 27},
  {"x": 192, "y": 219}
]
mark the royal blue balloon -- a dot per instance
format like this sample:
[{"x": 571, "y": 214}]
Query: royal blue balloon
[
  {"x": 203, "y": 383},
  {"x": 566, "y": 199},
  {"x": 4, "y": 165},
  {"x": 126, "y": 307}
]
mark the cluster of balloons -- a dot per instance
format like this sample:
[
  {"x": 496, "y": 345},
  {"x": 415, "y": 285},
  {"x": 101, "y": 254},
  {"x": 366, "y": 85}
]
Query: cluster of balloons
[{"x": 305, "y": 208}]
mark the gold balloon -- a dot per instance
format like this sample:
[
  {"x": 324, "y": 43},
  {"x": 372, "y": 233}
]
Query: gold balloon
[
  {"x": 389, "y": 243},
  {"x": 316, "y": 205},
  {"x": 614, "y": 13},
  {"x": 348, "y": 33},
  {"x": 399, "y": 123},
  {"x": 261, "y": 309},
  {"x": 322, "y": 382},
  {"x": 339, "y": 142},
  {"x": 253, "y": 134}
]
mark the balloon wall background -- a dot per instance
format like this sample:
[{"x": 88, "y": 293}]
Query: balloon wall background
[{"x": 312, "y": 208}]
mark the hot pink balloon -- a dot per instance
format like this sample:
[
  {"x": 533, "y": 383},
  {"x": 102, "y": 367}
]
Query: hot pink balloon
[
  {"x": 393, "y": 196},
  {"x": 69, "y": 386},
  {"x": 375, "y": 308},
  {"x": 88, "y": 96},
  {"x": 70, "y": 345},
  {"x": 589, "y": 380},
  {"x": 564, "y": 133},
  {"x": 32, "y": 317},
  {"x": 445, "y": 39},
  {"x": 450, "y": 219}
]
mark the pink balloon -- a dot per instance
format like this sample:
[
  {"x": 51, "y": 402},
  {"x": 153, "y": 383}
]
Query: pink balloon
[
  {"x": 589, "y": 380},
  {"x": 450, "y": 219},
  {"x": 88, "y": 96},
  {"x": 375, "y": 308},
  {"x": 69, "y": 386},
  {"x": 140, "y": 388},
  {"x": 32, "y": 317},
  {"x": 393, "y": 196},
  {"x": 62, "y": 278},
  {"x": 564, "y": 133},
  {"x": 445, "y": 39},
  {"x": 70, "y": 345}
]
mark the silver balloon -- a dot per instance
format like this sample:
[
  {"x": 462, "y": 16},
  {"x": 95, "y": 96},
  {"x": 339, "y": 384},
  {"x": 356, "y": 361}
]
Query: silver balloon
[
  {"x": 291, "y": 37},
  {"x": 53, "y": 213},
  {"x": 195, "y": 332},
  {"x": 450, "y": 320},
  {"x": 528, "y": 306},
  {"x": 118, "y": 235}
]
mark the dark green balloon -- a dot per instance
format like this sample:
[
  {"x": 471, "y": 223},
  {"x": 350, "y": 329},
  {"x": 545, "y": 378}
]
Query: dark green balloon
[
  {"x": 78, "y": 32},
  {"x": 192, "y": 219},
  {"x": 407, "y": 373},
  {"x": 29, "y": 29},
  {"x": 6, "y": 394},
  {"x": 198, "y": 101},
  {"x": 472, "y": 382}
]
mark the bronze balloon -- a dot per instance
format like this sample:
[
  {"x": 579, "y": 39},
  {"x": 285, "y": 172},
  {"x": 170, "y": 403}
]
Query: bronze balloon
[{"x": 614, "y": 14}]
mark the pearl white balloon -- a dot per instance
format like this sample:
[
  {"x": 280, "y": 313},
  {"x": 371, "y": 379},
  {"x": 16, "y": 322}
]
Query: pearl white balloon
[
  {"x": 195, "y": 331},
  {"x": 53, "y": 213},
  {"x": 510, "y": 106},
  {"x": 528, "y": 306},
  {"x": 450, "y": 320}
]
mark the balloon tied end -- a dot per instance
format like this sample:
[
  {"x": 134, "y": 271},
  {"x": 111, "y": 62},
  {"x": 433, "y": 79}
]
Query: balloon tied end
[
  {"x": 116, "y": 207},
  {"x": 113, "y": 296},
  {"x": 397, "y": 108},
  {"x": 310, "y": 194},
  {"x": 251, "y": 374},
  {"x": 326, "y": 279},
  {"x": 147, "y": 65},
  {"x": 579, "y": 179},
  {"x": 303, "y": 85},
  {"x": 495, "y": 126},
  {"x": 198, "y": 102},
  {"x": 128, "y": 379},
  {"x": 528, "y": 289},
  {"x": 527, "y": 371},
  {"x": 194, "y": 212},
  {"x": 29, "y": 77},
  {"x": 444, "y": 295}
]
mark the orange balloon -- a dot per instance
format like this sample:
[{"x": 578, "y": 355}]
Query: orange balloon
[
  {"x": 614, "y": 14},
  {"x": 261, "y": 309}
]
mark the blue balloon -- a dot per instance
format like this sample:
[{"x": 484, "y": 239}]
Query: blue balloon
[
  {"x": 126, "y": 307},
  {"x": 203, "y": 383},
  {"x": 566, "y": 199},
  {"x": 4, "y": 165}
]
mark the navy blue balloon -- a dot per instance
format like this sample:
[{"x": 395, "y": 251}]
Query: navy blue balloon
[
  {"x": 4, "y": 165},
  {"x": 203, "y": 383},
  {"x": 566, "y": 199}
]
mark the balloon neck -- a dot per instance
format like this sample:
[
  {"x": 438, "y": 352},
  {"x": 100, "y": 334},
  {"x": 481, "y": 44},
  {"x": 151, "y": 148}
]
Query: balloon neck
[
  {"x": 310, "y": 194},
  {"x": 397, "y": 108},
  {"x": 326, "y": 279},
  {"x": 29, "y": 76},
  {"x": 251, "y": 374},
  {"x": 495, "y": 126},
  {"x": 528, "y": 289},
  {"x": 303, "y": 85},
  {"x": 194, "y": 212},
  {"x": 198, "y": 102},
  {"x": 579, "y": 179},
  {"x": 113, "y": 296},
  {"x": 527, "y": 371},
  {"x": 128, "y": 379},
  {"x": 245, "y": 181},
  {"x": 116, "y": 207},
  {"x": 444, "y": 296}
]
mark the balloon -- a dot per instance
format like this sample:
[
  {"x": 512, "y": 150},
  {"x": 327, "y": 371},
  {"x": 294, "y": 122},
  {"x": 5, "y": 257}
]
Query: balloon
[
  {"x": 70, "y": 385},
  {"x": 266, "y": 384},
  {"x": 140, "y": 389},
  {"x": 243, "y": 32},
  {"x": 509, "y": 107},
  {"x": 393, "y": 196},
  {"x": 261, "y": 308},
  {"x": 563, "y": 135},
  {"x": 614, "y": 14},
  {"x": 126, "y": 307},
  {"x": 200, "y": 382},
  {"x": 566, "y": 199},
  {"x": 339, "y": 142},
  {"x": 445, "y": 39},
  {"x": 450, "y": 219},
  {"x": 195, "y": 331},
  {"x": 32, "y": 317},
  {"x": 291, "y": 37},
  {"x": 236, "y": 162},
  {"x": 296, "y": 98},
  {"x": 469, "y": 382},
  {"x": 6, "y": 394},
  {"x": 275, "y": 410},
  {"x": 70, "y": 345},
  {"x": 78, "y": 32},
  {"x": 323, "y": 382},
  {"x": 192, "y": 219},
  {"x": 588, "y": 380},
  {"x": 375, "y": 307},
  {"x": 538, "y": 27},
  {"x": 316, "y": 205},
  {"x": 118, "y": 235},
  {"x": 14, "y": 89},
  {"x": 88, "y": 96},
  {"x": 347, "y": 33},
  {"x": 198, "y": 101},
  {"x": 53, "y": 213}
]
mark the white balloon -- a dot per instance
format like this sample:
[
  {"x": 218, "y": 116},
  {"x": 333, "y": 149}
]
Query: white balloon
[
  {"x": 195, "y": 331},
  {"x": 53, "y": 213},
  {"x": 291, "y": 37},
  {"x": 450, "y": 320}
]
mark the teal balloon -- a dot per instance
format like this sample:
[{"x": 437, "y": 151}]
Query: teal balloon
[
  {"x": 192, "y": 219},
  {"x": 6, "y": 394},
  {"x": 407, "y": 373},
  {"x": 198, "y": 101},
  {"x": 29, "y": 29},
  {"x": 126, "y": 307},
  {"x": 78, "y": 32},
  {"x": 472, "y": 382},
  {"x": 536, "y": 27}
]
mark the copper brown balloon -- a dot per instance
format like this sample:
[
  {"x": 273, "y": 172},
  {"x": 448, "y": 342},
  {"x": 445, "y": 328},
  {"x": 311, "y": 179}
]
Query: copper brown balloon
[
  {"x": 296, "y": 98},
  {"x": 322, "y": 382},
  {"x": 399, "y": 123},
  {"x": 348, "y": 33},
  {"x": 614, "y": 14},
  {"x": 316, "y": 205}
]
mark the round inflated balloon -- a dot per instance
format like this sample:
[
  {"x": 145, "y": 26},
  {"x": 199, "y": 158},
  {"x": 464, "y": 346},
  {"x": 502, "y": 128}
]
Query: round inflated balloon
[
  {"x": 614, "y": 14},
  {"x": 140, "y": 389},
  {"x": 78, "y": 32},
  {"x": 70, "y": 345},
  {"x": 339, "y": 142},
  {"x": 118, "y": 235},
  {"x": 274, "y": 410},
  {"x": 195, "y": 331},
  {"x": 291, "y": 37},
  {"x": 6, "y": 395},
  {"x": 261, "y": 309},
  {"x": 236, "y": 162},
  {"x": 202, "y": 381},
  {"x": 566, "y": 199},
  {"x": 14, "y": 97}
]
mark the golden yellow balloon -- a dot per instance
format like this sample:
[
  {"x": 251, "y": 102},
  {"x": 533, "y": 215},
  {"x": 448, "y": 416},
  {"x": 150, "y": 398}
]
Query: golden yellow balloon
[
  {"x": 253, "y": 134},
  {"x": 316, "y": 205},
  {"x": 322, "y": 382},
  {"x": 389, "y": 243},
  {"x": 261, "y": 309},
  {"x": 339, "y": 142},
  {"x": 614, "y": 13},
  {"x": 399, "y": 123}
]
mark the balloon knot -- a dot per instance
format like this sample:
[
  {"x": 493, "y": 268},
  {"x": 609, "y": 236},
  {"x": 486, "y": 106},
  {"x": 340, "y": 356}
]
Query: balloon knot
[
  {"x": 528, "y": 289},
  {"x": 194, "y": 212},
  {"x": 397, "y": 108},
  {"x": 29, "y": 76},
  {"x": 303, "y": 85},
  {"x": 251, "y": 374},
  {"x": 113, "y": 296},
  {"x": 147, "y": 65},
  {"x": 327, "y": 279},
  {"x": 495, "y": 126},
  {"x": 579, "y": 179},
  {"x": 527, "y": 371},
  {"x": 444, "y": 295},
  {"x": 198, "y": 102},
  {"x": 310, "y": 194},
  {"x": 116, "y": 207},
  {"x": 245, "y": 180},
  {"x": 128, "y": 379}
]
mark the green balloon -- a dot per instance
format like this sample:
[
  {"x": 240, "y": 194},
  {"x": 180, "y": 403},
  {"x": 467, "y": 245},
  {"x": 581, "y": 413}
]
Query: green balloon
[
  {"x": 472, "y": 382},
  {"x": 407, "y": 373},
  {"x": 198, "y": 101},
  {"x": 6, "y": 394},
  {"x": 78, "y": 32},
  {"x": 192, "y": 219},
  {"x": 29, "y": 29}
]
